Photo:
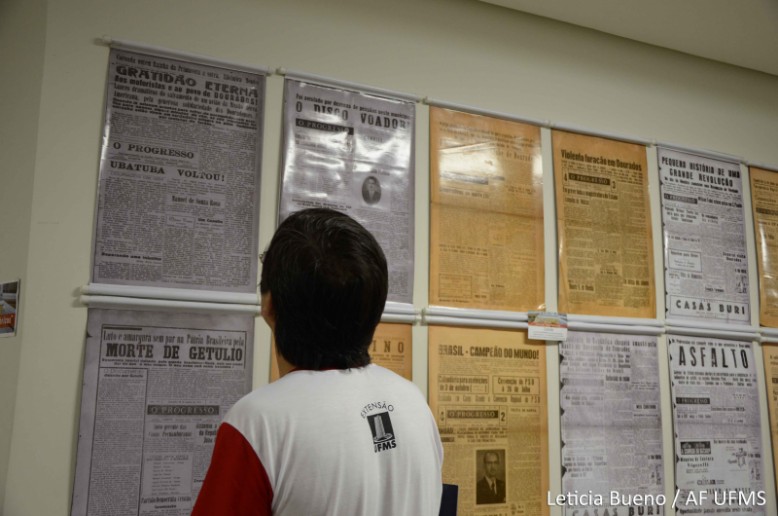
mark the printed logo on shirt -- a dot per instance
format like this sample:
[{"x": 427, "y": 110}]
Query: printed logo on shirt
[{"x": 383, "y": 433}]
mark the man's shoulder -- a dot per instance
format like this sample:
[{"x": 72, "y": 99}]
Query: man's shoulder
[
  {"x": 263, "y": 399},
  {"x": 303, "y": 391},
  {"x": 397, "y": 384},
  {"x": 295, "y": 385},
  {"x": 388, "y": 375}
]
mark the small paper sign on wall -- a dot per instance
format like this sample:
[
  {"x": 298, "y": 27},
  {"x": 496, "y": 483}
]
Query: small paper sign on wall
[
  {"x": 547, "y": 326},
  {"x": 9, "y": 299}
]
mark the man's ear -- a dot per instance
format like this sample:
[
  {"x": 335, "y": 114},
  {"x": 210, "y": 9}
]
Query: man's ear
[{"x": 268, "y": 313}]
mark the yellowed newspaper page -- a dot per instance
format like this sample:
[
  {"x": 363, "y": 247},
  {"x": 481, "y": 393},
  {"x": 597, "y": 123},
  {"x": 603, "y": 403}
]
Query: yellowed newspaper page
[
  {"x": 486, "y": 213},
  {"x": 603, "y": 227},
  {"x": 391, "y": 349},
  {"x": 764, "y": 199},
  {"x": 487, "y": 389},
  {"x": 770, "y": 355}
]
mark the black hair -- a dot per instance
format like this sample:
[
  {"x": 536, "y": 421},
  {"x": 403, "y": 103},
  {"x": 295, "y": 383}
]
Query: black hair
[{"x": 328, "y": 282}]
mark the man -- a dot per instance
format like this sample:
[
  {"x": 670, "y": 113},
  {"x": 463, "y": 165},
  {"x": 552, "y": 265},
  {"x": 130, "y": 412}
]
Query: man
[
  {"x": 490, "y": 489},
  {"x": 335, "y": 434},
  {"x": 371, "y": 190}
]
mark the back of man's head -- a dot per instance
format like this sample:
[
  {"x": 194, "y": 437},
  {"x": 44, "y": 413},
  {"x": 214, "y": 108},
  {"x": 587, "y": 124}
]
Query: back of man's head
[{"x": 328, "y": 281}]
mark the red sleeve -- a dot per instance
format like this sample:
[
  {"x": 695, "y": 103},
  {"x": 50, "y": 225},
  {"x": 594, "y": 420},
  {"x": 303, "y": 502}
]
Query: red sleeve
[{"x": 236, "y": 482}]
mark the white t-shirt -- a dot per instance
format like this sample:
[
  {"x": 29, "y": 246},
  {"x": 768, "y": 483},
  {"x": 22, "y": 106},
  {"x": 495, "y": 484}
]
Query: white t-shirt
[{"x": 346, "y": 442}]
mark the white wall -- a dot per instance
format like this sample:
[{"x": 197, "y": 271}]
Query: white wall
[
  {"x": 459, "y": 51},
  {"x": 22, "y": 26}
]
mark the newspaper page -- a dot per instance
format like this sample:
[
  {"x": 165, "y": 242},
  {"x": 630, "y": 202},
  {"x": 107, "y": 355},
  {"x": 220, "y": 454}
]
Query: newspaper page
[
  {"x": 606, "y": 253},
  {"x": 770, "y": 355},
  {"x": 353, "y": 152},
  {"x": 706, "y": 269},
  {"x": 487, "y": 389},
  {"x": 9, "y": 306},
  {"x": 716, "y": 417},
  {"x": 486, "y": 213},
  {"x": 764, "y": 202},
  {"x": 156, "y": 387},
  {"x": 179, "y": 175},
  {"x": 391, "y": 348},
  {"x": 611, "y": 425}
]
